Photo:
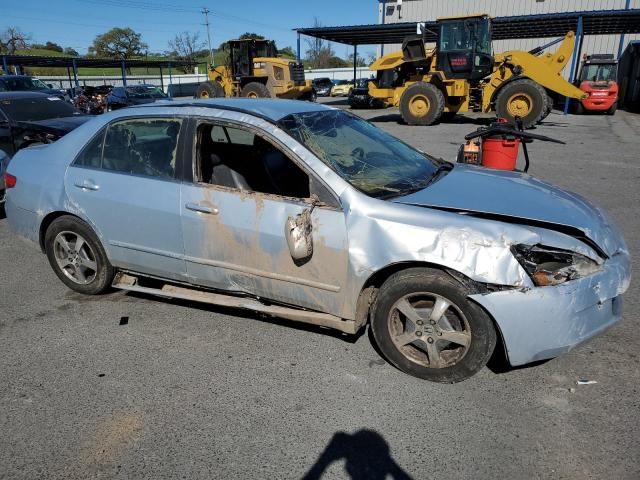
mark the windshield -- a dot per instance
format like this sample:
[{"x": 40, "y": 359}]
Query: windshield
[
  {"x": 30, "y": 109},
  {"x": 462, "y": 35},
  {"x": 370, "y": 159},
  {"x": 145, "y": 92},
  {"x": 21, "y": 84},
  {"x": 599, "y": 72}
]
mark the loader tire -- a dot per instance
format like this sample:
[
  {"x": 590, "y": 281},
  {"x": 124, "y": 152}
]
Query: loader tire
[
  {"x": 523, "y": 98},
  {"x": 209, "y": 90},
  {"x": 255, "y": 90},
  {"x": 548, "y": 107},
  {"x": 421, "y": 104}
]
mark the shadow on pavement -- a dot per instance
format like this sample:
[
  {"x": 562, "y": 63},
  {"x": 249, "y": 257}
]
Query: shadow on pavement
[{"x": 367, "y": 456}]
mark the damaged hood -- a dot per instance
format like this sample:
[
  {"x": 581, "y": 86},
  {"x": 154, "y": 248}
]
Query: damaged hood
[{"x": 519, "y": 198}]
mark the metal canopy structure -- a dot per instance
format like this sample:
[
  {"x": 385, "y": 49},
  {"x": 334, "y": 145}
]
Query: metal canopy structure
[
  {"x": 45, "y": 61},
  {"x": 504, "y": 28},
  {"x": 73, "y": 63}
]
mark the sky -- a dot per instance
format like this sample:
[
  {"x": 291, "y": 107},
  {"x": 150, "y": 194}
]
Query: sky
[{"x": 75, "y": 23}]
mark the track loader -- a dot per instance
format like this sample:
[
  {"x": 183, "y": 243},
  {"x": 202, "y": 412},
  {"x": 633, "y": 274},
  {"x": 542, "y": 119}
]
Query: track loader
[
  {"x": 254, "y": 70},
  {"x": 461, "y": 74}
]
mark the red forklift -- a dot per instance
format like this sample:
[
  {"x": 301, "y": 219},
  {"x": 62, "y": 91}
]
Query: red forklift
[{"x": 598, "y": 78}]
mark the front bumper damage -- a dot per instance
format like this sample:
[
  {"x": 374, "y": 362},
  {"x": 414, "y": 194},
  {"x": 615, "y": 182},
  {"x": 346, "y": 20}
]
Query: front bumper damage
[{"x": 543, "y": 322}]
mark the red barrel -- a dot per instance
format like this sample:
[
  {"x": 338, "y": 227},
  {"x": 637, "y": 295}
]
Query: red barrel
[{"x": 500, "y": 153}]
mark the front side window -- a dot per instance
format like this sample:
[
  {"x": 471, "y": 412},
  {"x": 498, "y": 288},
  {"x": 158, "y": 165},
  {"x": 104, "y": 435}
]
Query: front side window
[
  {"x": 238, "y": 158},
  {"x": 466, "y": 35},
  {"x": 370, "y": 159},
  {"x": 142, "y": 147}
]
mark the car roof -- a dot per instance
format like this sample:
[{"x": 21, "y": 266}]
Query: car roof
[
  {"x": 270, "y": 108},
  {"x": 16, "y": 94}
]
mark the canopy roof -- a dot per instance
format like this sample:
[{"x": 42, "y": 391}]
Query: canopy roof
[
  {"x": 595, "y": 22},
  {"x": 45, "y": 61}
]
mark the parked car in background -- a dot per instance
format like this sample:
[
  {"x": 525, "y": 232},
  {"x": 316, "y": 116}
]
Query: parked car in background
[
  {"x": 342, "y": 88},
  {"x": 26, "y": 83},
  {"x": 312, "y": 214},
  {"x": 322, "y": 86},
  {"x": 91, "y": 100},
  {"x": 32, "y": 117},
  {"x": 121, "y": 97},
  {"x": 360, "y": 98}
]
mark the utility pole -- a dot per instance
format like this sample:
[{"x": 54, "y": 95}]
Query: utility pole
[{"x": 205, "y": 12}]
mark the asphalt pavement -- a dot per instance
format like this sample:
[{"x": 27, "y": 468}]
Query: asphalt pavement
[{"x": 131, "y": 386}]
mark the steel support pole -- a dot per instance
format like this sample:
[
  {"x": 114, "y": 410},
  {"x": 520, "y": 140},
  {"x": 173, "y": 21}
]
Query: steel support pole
[
  {"x": 75, "y": 73},
  {"x": 355, "y": 64},
  {"x": 5, "y": 67},
  {"x": 161, "y": 80},
  {"x": 621, "y": 44},
  {"x": 298, "y": 51},
  {"x": 575, "y": 61},
  {"x": 384, "y": 19},
  {"x": 170, "y": 81},
  {"x": 69, "y": 75},
  {"x": 124, "y": 73}
]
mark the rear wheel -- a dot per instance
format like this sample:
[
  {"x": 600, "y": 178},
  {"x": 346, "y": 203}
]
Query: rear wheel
[
  {"x": 612, "y": 109},
  {"x": 522, "y": 98},
  {"x": 210, "y": 90},
  {"x": 548, "y": 107},
  {"x": 255, "y": 90},
  {"x": 77, "y": 257},
  {"x": 421, "y": 104},
  {"x": 425, "y": 325}
]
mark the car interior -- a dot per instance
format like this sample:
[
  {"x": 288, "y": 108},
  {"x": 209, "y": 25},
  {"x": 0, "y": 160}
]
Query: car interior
[{"x": 237, "y": 158}]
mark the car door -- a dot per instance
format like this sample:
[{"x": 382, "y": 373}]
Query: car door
[
  {"x": 235, "y": 222},
  {"x": 125, "y": 183}
]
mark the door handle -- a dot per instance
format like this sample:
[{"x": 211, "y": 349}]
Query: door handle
[
  {"x": 201, "y": 209},
  {"x": 87, "y": 185}
]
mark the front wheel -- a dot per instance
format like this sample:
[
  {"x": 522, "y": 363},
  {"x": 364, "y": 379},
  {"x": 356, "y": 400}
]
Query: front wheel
[
  {"x": 612, "y": 109},
  {"x": 421, "y": 104},
  {"x": 77, "y": 257},
  {"x": 522, "y": 98},
  {"x": 255, "y": 90},
  {"x": 425, "y": 325}
]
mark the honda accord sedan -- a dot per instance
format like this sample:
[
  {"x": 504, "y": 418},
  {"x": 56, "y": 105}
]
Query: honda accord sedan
[{"x": 311, "y": 214}]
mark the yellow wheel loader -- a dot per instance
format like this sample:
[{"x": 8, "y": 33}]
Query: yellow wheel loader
[
  {"x": 254, "y": 70},
  {"x": 461, "y": 74}
]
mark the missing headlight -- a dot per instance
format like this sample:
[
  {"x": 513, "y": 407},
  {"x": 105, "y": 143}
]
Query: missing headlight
[{"x": 552, "y": 266}]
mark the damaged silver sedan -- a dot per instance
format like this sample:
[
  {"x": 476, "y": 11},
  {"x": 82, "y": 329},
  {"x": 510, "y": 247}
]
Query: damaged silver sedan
[{"x": 311, "y": 214}]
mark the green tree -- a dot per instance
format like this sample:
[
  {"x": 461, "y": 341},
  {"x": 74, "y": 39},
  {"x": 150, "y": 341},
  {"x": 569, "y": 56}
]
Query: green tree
[
  {"x": 251, "y": 35},
  {"x": 71, "y": 52},
  {"x": 118, "y": 43},
  {"x": 287, "y": 52}
]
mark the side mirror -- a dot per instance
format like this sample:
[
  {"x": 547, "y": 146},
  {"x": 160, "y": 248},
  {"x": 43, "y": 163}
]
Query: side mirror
[
  {"x": 50, "y": 85},
  {"x": 298, "y": 232}
]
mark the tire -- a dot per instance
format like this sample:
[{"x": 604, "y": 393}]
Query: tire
[
  {"x": 421, "y": 104},
  {"x": 90, "y": 261},
  {"x": 577, "y": 107},
  {"x": 408, "y": 349},
  {"x": 210, "y": 90},
  {"x": 612, "y": 109},
  {"x": 255, "y": 90},
  {"x": 524, "y": 98},
  {"x": 548, "y": 108}
]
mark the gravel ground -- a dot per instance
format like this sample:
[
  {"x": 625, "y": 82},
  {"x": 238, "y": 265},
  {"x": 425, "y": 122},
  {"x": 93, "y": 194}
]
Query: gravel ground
[{"x": 190, "y": 391}]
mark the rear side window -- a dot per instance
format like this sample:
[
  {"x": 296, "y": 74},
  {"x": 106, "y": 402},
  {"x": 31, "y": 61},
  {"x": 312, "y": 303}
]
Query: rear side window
[{"x": 91, "y": 156}]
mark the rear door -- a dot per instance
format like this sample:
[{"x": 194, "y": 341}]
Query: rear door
[{"x": 125, "y": 183}]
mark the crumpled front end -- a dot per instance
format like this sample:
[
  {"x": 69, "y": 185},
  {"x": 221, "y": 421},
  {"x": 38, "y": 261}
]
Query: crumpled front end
[{"x": 544, "y": 322}]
